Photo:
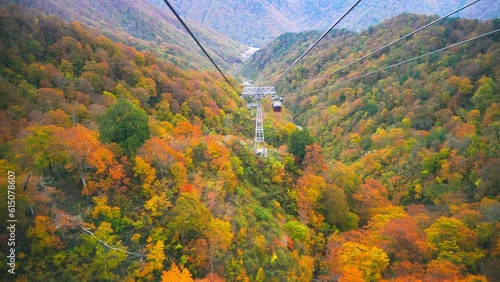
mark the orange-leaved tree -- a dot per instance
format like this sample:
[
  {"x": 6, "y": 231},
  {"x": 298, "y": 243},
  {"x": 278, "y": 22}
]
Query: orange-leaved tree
[
  {"x": 176, "y": 274},
  {"x": 96, "y": 165}
]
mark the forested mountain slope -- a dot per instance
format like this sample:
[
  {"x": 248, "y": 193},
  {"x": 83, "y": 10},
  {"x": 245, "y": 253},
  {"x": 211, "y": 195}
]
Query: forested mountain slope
[
  {"x": 440, "y": 109},
  {"x": 255, "y": 22},
  {"x": 145, "y": 27},
  {"x": 129, "y": 168},
  {"x": 427, "y": 131}
]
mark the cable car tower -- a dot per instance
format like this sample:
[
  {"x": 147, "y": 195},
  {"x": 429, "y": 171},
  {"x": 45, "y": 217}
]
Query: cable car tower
[{"x": 257, "y": 93}]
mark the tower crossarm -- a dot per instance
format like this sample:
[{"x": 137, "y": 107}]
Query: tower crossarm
[{"x": 258, "y": 91}]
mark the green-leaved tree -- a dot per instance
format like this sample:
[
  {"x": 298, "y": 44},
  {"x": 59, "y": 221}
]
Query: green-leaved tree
[
  {"x": 125, "y": 124},
  {"x": 297, "y": 143}
]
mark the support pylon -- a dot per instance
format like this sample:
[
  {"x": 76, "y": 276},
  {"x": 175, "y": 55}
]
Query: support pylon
[
  {"x": 257, "y": 93},
  {"x": 259, "y": 144}
]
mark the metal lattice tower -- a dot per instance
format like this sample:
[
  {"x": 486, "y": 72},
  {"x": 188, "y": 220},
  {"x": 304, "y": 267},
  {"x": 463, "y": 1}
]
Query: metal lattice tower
[
  {"x": 257, "y": 93},
  {"x": 259, "y": 147}
]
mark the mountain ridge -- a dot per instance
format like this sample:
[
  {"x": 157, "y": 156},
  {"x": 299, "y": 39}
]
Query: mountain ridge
[
  {"x": 278, "y": 55},
  {"x": 255, "y": 22},
  {"x": 142, "y": 25}
]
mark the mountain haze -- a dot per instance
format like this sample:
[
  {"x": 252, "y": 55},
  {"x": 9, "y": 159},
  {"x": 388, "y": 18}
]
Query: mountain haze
[{"x": 253, "y": 21}]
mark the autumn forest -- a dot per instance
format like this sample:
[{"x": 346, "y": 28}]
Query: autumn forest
[{"x": 129, "y": 167}]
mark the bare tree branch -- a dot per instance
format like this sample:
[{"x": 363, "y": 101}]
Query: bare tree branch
[{"x": 87, "y": 230}]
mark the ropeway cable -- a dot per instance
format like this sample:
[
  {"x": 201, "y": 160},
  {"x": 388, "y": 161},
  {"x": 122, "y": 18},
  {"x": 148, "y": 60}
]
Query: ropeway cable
[
  {"x": 199, "y": 44},
  {"x": 386, "y": 46},
  {"x": 317, "y": 41},
  {"x": 404, "y": 62}
]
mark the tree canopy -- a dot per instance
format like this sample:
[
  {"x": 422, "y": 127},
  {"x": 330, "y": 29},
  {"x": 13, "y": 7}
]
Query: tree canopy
[
  {"x": 125, "y": 124},
  {"x": 130, "y": 168},
  {"x": 298, "y": 141}
]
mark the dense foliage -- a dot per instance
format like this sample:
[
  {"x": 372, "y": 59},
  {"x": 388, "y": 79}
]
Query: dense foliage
[
  {"x": 126, "y": 124},
  {"x": 185, "y": 199},
  {"x": 144, "y": 26},
  {"x": 426, "y": 132}
]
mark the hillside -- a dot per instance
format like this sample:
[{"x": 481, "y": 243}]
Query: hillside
[
  {"x": 145, "y": 27},
  {"x": 427, "y": 131},
  {"x": 445, "y": 102},
  {"x": 256, "y": 22},
  {"x": 130, "y": 168}
]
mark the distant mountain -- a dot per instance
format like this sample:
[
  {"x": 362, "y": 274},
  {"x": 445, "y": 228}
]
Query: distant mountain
[
  {"x": 255, "y": 21},
  {"x": 145, "y": 27}
]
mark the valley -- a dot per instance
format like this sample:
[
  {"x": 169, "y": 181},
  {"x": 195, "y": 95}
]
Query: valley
[{"x": 134, "y": 158}]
